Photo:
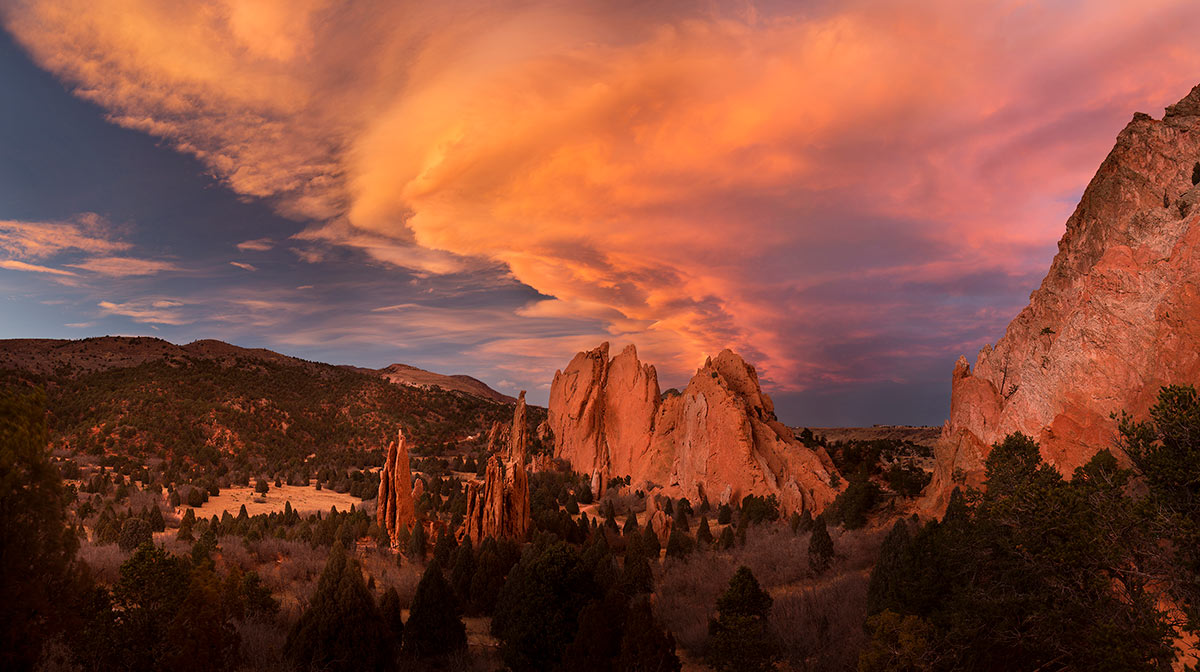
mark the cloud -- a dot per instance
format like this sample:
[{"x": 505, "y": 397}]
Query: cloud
[
  {"x": 87, "y": 232},
  {"x": 245, "y": 267},
  {"x": 692, "y": 175},
  {"x": 256, "y": 245},
  {"x": 148, "y": 311},
  {"x": 14, "y": 265},
  {"x": 120, "y": 267}
]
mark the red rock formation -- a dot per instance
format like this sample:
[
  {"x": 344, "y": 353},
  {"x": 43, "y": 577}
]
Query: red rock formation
[
  {"x": 498, "y": 438},
  {"x": 1116, "y": 317},
  {"x": 498, "y": 506},
  {"x": 719, "y": 437},
  {"x": 518, "y": 436},
  {"x": 394, "y": 507}
]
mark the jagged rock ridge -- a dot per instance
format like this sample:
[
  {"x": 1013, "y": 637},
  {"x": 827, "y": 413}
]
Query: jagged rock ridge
[
  {"x": 719, "y": 439},
  {"x": 1116, "y": 317}
]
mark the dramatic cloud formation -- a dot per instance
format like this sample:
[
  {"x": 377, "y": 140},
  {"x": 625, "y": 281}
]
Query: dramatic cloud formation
[{"x": 846, "y": 192}]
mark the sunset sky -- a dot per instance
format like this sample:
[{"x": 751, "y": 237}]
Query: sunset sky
[{"x": 850, "y": 194}]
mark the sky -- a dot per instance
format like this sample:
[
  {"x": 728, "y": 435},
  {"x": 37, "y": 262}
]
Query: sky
[{"x": 850, "y": 194}]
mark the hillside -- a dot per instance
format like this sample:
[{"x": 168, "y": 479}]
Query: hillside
[
  {"x": 410, "y": 375},
  {"x": 212, "y": 403}
]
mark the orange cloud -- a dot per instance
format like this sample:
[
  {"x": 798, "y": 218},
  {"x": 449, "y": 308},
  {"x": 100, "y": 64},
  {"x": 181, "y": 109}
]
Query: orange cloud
[{"x": 693, "y": 178}]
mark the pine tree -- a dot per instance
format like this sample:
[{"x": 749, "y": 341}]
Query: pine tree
[
  {"x": 704, "y": 535},
  {"x": 820, "y": 547},
  {"x": 134, "y": 533},
  {"x": 416, "y": 542},
  {"x": 631, "y": 524},
  {"x": 651, "y": 546},
  {"x": 725, "y": 542},
  {"x": 342, "y": 629},
  {"x": 444, "y": 548},
  {"x": 537, "y": 613},
  {"x": 390, "y": 609},
  {"x": 38, "y": 547},
  {"x": 435, "y": 624},
  {"x": 636, "y": 574},
  {"x": 740, "y": 637},
  {"x": 679, "y": 544},
  {"x": 646, "y": 645},
  {"x": 462, "y": 570}
]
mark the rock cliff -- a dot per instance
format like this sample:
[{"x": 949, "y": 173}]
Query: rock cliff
[
  {"x": 1116, "y": 317},
  {"x": 719, "y": 439},
  {"x": 394, "y": 508}
]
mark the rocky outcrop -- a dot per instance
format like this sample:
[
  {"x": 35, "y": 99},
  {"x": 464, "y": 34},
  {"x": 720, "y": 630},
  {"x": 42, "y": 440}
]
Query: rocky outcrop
[
  {"x": 718, "y": 437},
  {"x": 518, "y": 436},
  {"x": 394, "y": 508},
  {"x": 497, "y": 437},
  {"x": 1116, "y": 317},
  {"x": 498, "y": 506}
]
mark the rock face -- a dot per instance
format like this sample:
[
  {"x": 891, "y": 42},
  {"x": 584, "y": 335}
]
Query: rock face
[
  {"x": 518, "y": 436},
  {"x": 1117, "y": 316},
  {"x": 718, "y": 437},
  {"x": 498, "y": 506},
  {"x": 498, "y": 437},
  {"x": 394, "y": 508}
]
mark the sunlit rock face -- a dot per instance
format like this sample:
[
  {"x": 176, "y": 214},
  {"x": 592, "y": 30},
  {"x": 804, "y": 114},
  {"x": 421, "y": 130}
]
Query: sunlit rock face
[
  {"x": 718, "y": 439},
  {"x": 394, "y": 506},
  {"x": 1116, "y": 318},
  {"x": 498, "y": 506}
]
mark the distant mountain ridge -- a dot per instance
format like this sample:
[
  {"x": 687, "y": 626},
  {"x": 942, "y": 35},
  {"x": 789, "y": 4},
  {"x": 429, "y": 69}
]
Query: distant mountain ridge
[
  {"x": 209, "y": 403},
  {"x": 46, "y": 356}
]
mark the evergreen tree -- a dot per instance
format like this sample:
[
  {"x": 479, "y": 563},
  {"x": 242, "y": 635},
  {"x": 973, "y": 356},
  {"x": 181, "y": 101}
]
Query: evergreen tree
[
  {"x": 392, "y": 612},
  {"x": 462, "y": 570},
  {"x": 651, "y": 546},
  {"x": 636, "y": 574},
  {"x": 820, "y": 547},
  {"x": 740, "y": 637},
  {"x": 631, "y": 524},
  {"x": 724, "y": 514},
  {"x": 597, "y": 641},
  {"x": 725, "y": 541},
  {"x": 134, "y": 533},
  {"x": 646, "y": 645},
  {"x": 416, "y": 542},
  {"x": 157, "y": 523},
  {"x": 38, "y": 547},
  {"x": 679, "y": 544},
  {"x": 704, "y": 535},
  {"x": 537, "y": 613},
  {"x": 490, "y": 571},
  {"x": 342, "y": 629},
  {"x": 435, "y": 624},
  {"x": 444, "y": 547}
]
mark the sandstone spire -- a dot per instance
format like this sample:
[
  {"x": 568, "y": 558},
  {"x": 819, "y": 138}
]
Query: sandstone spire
[
  {"x": 518, "y": 436},
  {"x": 498, "y": 506},
  {"x": 394, "y": 506},
  {"x": 1116, "y": 317}
]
